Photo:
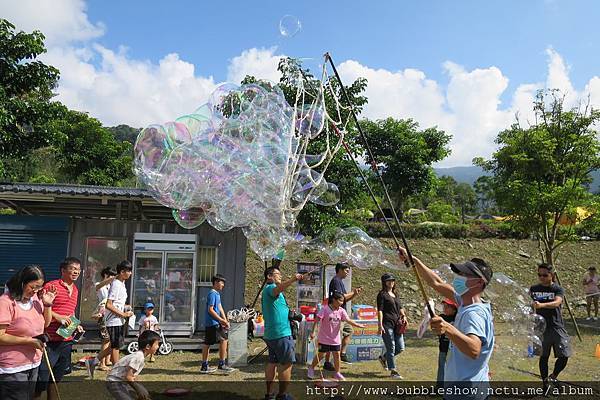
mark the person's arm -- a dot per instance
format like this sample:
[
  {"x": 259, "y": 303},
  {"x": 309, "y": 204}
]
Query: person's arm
[
  {"x": 10, "y": 340},
  {"x": 469, "y": 344},
  {"x": 552, "y": 304},
  {"x": 354, "y": 323},
  {"x": 110, "y": 307},
  {"x": 430, "y": 277},
  {"x": 314, "y": 328},
  {"x": 105, "y": 282},
  {"x": 47, "y": 316},
  {"x": 380, "y": 313},
  {"x": 223, "y": 315},
  {"x": 139, "y": 388},
  {"x": 280, "y": 288}
]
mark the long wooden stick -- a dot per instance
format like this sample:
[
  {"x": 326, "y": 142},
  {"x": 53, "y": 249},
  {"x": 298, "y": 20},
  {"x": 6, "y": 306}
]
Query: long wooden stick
[{"x": 51, "y": 372}]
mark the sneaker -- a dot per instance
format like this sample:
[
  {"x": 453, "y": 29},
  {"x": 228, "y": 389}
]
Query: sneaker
[
  {"x": 285, "y": 396},
  {"x": 152, "y": 358},
  {"x": 226, "y": 368},
  {"x": 270, "y": 396},
  {"x": 339, "y": 376},
  {"x": 90, "y": 365},
  {"x": 395, "y": 375},
  {"x": 344, "y": 359},
  {"x": 588, "y": 319},
  {"x": 383, "y": 363},
  {"x": 310, "y": 373},
  {"x": 207, "y": 370},
  {"x": 327, "y": 366},
  {"x": 595, "y": 318}
]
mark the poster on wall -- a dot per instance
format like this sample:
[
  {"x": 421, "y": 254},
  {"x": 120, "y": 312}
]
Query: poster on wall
[
  {"x": 309, "y": 290},
  {"x": 329, "y": 274}
]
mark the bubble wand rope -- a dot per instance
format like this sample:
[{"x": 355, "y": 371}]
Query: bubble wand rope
[
  {"x": 411, "y": 262},
  {"x": 51, "y": 372}
]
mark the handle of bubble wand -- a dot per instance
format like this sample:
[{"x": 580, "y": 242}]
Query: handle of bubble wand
[
  {"x": 410, "y": 263},
  {"x": 51, "y": 372}
]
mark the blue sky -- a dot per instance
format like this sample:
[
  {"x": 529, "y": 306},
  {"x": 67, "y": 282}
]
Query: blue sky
[
  {"x": 512, "y": 35},
  {"x": 466, "y": 66}
]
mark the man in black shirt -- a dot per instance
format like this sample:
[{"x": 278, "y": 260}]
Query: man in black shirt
[
  {"x": 547, "y": 301},
  {"x": 342, "y": 270}
]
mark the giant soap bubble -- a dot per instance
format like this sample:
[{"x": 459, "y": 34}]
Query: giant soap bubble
[{"x": 240, "y": 160}]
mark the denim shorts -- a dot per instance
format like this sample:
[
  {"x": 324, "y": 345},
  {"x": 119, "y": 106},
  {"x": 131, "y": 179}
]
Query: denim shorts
[{"x": 282, "y": 350}]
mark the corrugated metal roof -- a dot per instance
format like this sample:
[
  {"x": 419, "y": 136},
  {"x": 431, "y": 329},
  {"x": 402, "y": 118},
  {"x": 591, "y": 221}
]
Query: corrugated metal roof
[{"x": 74, "y": 190}]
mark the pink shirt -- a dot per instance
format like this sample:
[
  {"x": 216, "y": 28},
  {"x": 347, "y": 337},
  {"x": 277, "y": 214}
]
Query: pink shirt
[
  {"x": 331, "y": 321},
  {"x": 20, "y": 323},
  {"x": 592, "y": 285}
]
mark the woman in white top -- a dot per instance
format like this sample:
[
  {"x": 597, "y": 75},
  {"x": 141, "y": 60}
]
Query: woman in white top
[
  {"x": 25, "y": 311},
  {"x": 108, "y": 275}
]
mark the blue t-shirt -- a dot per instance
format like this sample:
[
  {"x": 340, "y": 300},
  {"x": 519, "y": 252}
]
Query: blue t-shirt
[
  {"x": 275, "y": 313},
  {"x": 461, "y": 370},
  {"x": 213, "y": 299}
]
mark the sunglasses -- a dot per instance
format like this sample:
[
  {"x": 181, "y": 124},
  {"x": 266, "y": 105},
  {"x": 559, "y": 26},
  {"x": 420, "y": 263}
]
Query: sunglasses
[{"x": 543, "y": 275}]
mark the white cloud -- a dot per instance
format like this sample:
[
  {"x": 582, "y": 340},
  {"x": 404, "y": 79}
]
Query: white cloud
[
  {"x": 468, "y": 107},
  {"x": 260, "y": 63},
  {"x": 61, "y": 21}
]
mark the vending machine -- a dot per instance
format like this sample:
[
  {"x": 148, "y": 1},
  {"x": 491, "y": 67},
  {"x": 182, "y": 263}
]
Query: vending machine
[{"x": 164, "y": 274}]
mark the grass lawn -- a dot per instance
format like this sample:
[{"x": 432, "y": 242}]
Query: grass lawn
[{"x": 417, "y": 363}]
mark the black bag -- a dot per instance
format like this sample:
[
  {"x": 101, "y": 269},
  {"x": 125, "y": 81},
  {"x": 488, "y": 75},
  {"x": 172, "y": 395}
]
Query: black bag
[{"x": 294, "y": 317}]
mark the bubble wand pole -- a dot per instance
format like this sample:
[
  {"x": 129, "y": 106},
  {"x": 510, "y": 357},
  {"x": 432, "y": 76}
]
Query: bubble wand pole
[{"x": 410, "y": 260}]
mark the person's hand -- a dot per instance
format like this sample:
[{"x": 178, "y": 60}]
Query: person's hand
[
  {"x": 299, "y": 277},
  {"x": 357, "y": 290},
  {"x": 80, "y": 329},
  {"x": 225, "y": 324},
  {"x": 128, "y": 314},
  {"x": 48, "y": 295},
  {"x": 311, "y": 336},
  {"x": 439, "y": 326},
  {"x": 537, "y": 305},
  {"x": 404, "y": 318},
  {"x": 361, "y": 326},
  {"x": 66, "y": 321},
  {"x": 402, "y": 254},
  {"x": 37, "y": 344},
  {"x": 379, "y": 330}
]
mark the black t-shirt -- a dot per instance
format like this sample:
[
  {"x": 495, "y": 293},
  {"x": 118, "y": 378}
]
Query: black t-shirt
[
  {"x": 390, "y": 307},
  {"x": 444, "y": 341},
  {"x": 546, "y": 294},
  {"x": 337, "y": 285}
]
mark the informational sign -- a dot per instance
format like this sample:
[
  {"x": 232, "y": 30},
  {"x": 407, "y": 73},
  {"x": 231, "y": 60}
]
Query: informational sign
[{"x": 309, "y": 291}]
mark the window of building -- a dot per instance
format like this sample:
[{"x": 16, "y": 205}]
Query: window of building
[{"x": 206, "y": 265}]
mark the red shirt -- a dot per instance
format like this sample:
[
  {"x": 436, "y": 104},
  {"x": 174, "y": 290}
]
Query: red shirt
[{"x": 64, "y": 304}]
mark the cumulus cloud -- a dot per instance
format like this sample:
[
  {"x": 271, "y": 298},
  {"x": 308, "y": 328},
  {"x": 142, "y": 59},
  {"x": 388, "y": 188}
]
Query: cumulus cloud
[
  {"x": 468, "y": 107},
  {"x": 61, "y": 21},
  {"x": 260, "y": 63}
]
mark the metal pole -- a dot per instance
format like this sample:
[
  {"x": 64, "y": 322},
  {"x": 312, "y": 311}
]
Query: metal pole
[
  {"x": 411, "y": 262},
  {"x": 568, "y": 307}
]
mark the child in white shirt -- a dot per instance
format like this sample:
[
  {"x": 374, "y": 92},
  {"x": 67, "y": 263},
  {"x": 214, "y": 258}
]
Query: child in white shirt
[
  {"x": 121, "y": 381},
  {"x": 149, "y": 322}
]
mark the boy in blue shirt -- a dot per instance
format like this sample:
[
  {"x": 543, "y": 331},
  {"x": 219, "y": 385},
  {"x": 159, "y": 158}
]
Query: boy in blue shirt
[{"x": 217, "y": 327}]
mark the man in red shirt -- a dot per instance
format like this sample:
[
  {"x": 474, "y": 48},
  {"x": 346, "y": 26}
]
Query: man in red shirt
[{"x": 59, "y": 348}]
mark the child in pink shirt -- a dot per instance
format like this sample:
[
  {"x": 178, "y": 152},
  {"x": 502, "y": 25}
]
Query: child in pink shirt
[{"x": 330, "y": 319}]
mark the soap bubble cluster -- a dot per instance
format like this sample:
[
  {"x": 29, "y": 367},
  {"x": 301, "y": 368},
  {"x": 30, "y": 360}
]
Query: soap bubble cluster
[{"x": 240, "y": 161}]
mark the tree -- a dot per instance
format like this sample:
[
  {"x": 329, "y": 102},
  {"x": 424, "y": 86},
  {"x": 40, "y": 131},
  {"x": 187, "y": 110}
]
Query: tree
[
  {"x": 405, "y": 155},
  {"x": 484, "y": 189},
  {"x": 26, "y": 86},
  {"x": 89, "y": 153},
  {"x": 541, "y": 172},
  {"x": 125, "y": 133}
]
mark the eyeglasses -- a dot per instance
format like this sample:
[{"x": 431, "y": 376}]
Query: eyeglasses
[{"x": 543, "y": 275}]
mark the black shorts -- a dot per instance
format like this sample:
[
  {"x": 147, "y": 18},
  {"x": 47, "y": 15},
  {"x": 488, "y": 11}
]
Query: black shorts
[
  {"x": 214, "y": 334},
  {"x": 59, "y": 354},
  {"x": 557, "y": 339},
  {"x": 116, "y": 335},
  {"x": 326, "y": 348}
]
